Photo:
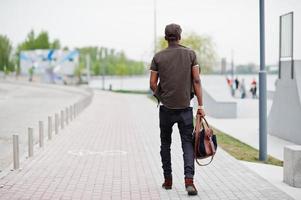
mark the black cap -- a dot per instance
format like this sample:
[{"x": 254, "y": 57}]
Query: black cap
[{"x": 173, "y": 32}]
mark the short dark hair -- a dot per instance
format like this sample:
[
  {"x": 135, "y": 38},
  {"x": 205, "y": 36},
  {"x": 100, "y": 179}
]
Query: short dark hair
[{"x": 173, "y": 32}]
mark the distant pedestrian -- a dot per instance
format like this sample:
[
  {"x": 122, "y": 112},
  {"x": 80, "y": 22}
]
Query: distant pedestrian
[
  {"x": 230, "y": 84},
  {"x": 236, "y": 83},
  {"x": 253, "y": 89},
  {"x": 242, "y": 89},
  {"x": 228, "y": 81},
  {"x": 178, "y": 71},
  {"x": 30, "y": 72}
]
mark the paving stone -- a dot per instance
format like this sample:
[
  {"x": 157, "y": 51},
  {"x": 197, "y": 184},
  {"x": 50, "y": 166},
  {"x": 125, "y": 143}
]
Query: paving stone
[{"x": 111, "y": 151}]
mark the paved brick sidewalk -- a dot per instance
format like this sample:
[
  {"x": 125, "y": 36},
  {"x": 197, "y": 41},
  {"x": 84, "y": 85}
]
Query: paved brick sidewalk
[{"x": 111, "y": 151}]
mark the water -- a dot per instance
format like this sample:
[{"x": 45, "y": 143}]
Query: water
[{"x": 139, "y": 83}]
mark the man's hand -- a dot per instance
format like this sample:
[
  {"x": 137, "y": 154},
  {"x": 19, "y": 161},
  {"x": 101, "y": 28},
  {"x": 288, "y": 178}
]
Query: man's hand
[{"x": 201, "y": 112}]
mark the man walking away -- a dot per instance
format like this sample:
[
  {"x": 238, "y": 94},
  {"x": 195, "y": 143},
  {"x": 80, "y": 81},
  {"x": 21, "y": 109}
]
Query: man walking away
[{"x": 178, "y": 71}]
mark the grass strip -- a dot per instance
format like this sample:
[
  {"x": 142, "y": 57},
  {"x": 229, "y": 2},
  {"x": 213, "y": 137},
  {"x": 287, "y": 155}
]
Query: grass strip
[
  {"x": 131, "y": 91},
  {"x": 241, "y": 150}
]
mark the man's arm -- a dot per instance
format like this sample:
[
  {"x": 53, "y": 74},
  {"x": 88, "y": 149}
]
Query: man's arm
[
  {"x": 198, "y": 89},
  {"x": 153, "y": 80}
]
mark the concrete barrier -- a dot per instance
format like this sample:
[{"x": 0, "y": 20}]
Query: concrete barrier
[
  {"x": 74, "y": 110},
  {"x": 49, "y": 127},
  {"x": 62, "y": 119},
  {"x": 218, "y": 108},
  {"x": 41, "y": 134},
  {"x": 70, "y": 113},
  {"x": 284, "y": 119},
  {"x": 292, "y": 165},
  {"x": 217, "y": 97},
  {"x": 56, "y": 123},
  {"x": 30, "y": 142},
  {"x": 16, "y": 152},
  {"x": 67, "y": 115}
]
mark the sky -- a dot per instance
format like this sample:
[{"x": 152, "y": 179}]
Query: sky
[{"x": 128, "y": 25}]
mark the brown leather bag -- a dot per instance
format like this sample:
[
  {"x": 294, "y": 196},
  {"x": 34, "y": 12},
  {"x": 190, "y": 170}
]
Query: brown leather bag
[{"x": 205, "y": 143}]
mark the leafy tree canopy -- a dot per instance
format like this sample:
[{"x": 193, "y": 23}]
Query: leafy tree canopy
[
  {"x": 6, "y": 63},
  {"x": 202, "y": 45},
  {"x": 41, "y": 41},
  {"x": 105, "y": 61}
]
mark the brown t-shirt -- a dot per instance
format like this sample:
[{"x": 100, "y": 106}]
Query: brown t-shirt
[{"x": 174, "y": 65}]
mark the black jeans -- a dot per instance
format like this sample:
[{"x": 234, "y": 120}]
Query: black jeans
[{"x": 184, "y": 119}]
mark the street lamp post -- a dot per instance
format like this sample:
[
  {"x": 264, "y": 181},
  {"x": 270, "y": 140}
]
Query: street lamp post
[
  {"x": 262, "y": 88},
  {"x": 103, "y": 56},
  {"x": 155, "y": 26},
  {"x": 88, "y": 67},
  {"x": 232, "y": 64}
]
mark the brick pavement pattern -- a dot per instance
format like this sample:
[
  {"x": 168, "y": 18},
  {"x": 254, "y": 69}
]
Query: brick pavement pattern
[{"x": 111, "y": 151}]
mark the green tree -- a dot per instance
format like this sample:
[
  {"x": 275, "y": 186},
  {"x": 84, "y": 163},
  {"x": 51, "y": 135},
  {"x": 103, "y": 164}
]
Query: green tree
[
  {"x": 5, "y": 54},
  {"x": 202, "y": 45},
  {"x": 56, "y": 44},
  {"x": 41, "y": 41},
  {"x": 78, "y": 72},
  {"x": 110, "y": 62}
]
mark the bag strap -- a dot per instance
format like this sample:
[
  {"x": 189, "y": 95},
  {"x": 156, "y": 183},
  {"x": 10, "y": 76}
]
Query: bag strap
[
  {"x": 206, "y": 122},
  {"x": 197, "y": 130},
  {"x": 206, "y": 163}
]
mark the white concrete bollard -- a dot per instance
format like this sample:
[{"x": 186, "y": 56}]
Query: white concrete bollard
[
  {"x": 70, "y": 113},
  {"x": 67, "y": 116},
  {"x": 73, "y": 109},
  {"x": 49, "y": 127},
  {"x": 291, "y": 165},
  {"x": 16, "y": 153},
  {"x": 56, "y": 123},
  {"x": 41, "y": 134},
  {"x": 62, "y": 119},
  {"x": 30, "y": 142}
]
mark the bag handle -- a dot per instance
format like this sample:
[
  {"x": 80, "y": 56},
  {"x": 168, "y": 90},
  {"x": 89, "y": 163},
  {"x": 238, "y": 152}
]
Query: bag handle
[
  {"x": 205, "y": 122},
  {"x": 197, "y": 130},
  {"x": 202, "y": 165},
  {"x": 199, "y": 123}
]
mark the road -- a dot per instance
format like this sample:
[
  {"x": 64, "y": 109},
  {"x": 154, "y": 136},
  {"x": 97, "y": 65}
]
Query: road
[{"x": 22, "y": 105}]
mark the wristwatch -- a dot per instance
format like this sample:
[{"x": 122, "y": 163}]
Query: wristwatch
[{"x": 201, "y": 107}]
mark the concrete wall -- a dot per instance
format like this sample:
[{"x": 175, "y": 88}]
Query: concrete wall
[
  {"x": 218, "y": 109},
  {"x": 284, "y": 119}
]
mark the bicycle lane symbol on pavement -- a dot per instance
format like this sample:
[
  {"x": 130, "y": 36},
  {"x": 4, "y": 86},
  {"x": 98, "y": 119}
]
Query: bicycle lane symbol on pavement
[{"x": 87, "y": 152}]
